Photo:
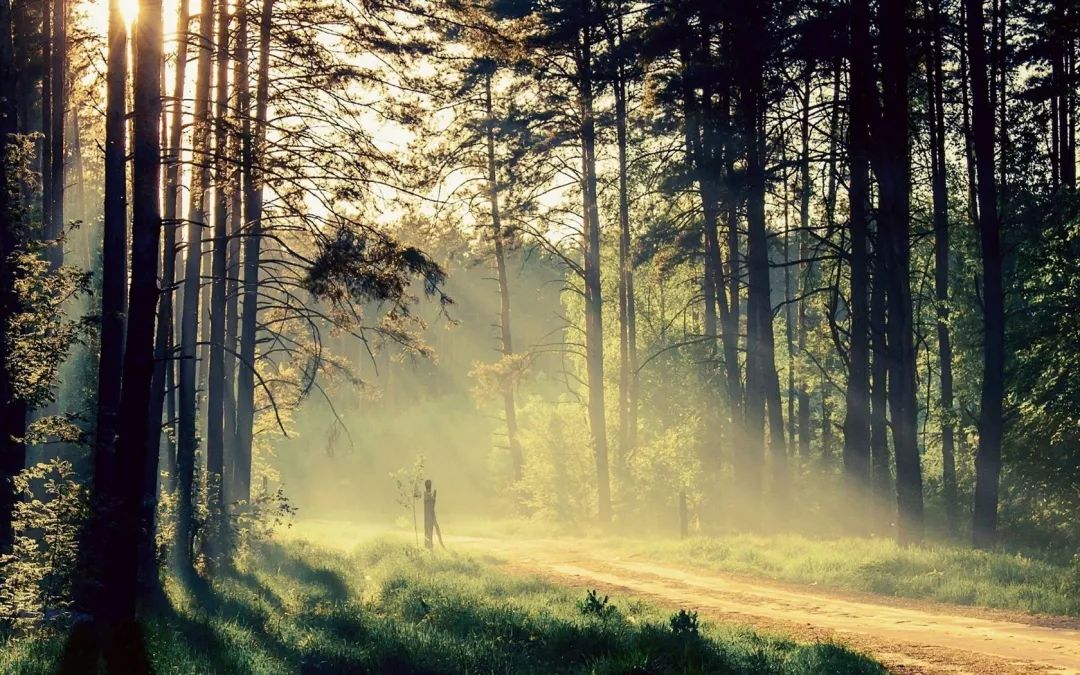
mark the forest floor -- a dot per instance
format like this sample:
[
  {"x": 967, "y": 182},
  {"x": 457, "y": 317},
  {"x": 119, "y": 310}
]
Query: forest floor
[
  {"x": 907, "y": 635},
  {"x": 384, "y": 606}
]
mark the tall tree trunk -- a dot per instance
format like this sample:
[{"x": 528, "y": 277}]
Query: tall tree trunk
[
  {"x": 136, "y": 501},
  {"x": 790, "y": 299},
  {"x": 215, "y": 400},
  {"x": 161, "y": 385},
  {"x": 748, "y": 472},
  {"x": 991, "y": 424},
  {"x": 12, "y": 408},
  {"x": 1062, "y": 94},
  {"x": 730, "y": 317},
  {"x": 806, "y": 432},
  {"x": 114, "y": 279},
  {"x": 938, "y": 166},
  {"x": 880, "y": 460},
  {"x": 232, "y": 298},
  {"x": 252, "y": 141},
  {"x": 164, "y": 342},
  {"x": 189, "y": 334},
  {"x": 1002, "y": 54},
  {"x": 1069, "y": 132},
  {"x": 594, "y": 329},
  {"x": 627, "y": 339},
  {"x": 58, "y": 84},
  {"x": 78, "y": 168},
  {"x": 762, "y": 381},
  {"x": 894, "y": 206},
  {"x": 857, "y": 451},
  {"x": 703, "y": 147},
  {"x": 236, "y": 228},
  {"x": 507, "y": 343},
  {"x": 45, "y": 151}
]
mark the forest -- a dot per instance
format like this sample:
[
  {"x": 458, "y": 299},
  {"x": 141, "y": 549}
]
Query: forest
[{"x": 781, "y": 289}]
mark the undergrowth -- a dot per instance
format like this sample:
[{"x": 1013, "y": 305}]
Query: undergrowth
[
  {"x": 940, "y": 572},
  {"x": 388, "y": 608}
]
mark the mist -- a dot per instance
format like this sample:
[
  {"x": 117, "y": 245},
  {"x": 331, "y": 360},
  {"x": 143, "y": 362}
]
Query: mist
[{"x": 539, "y": 336}]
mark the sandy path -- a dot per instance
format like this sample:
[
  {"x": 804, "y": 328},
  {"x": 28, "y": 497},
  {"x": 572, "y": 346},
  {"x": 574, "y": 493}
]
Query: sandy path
[{"x": 909, "y": 637}]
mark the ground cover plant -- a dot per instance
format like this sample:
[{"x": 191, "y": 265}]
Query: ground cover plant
[
  {"x": 939, "y": 572},
  {"x": 388, "y": 608}
]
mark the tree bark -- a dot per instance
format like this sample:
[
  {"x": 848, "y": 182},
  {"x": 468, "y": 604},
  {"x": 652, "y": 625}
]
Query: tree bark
[
  {"x": 58, "y": 83},
  {"x": 45, "y": 147},
  {"x": 894, "y": 207},
  {"x": 594, "y": 332},
  {"x": 133, "y": 456},
  {"x": 189, "y": 334},
  {"x": 806, "y": 431},
  {"x": 991, "y": 424},
  {"x": 965, "y": 121},
  {"x": 627, "y": 328},
  {"x": 880, "y": 458},
  {"x": 1060, "y": 72},
  {"x": 497, "y": 234},
  {"x": 114, "y": 280},
  {"x": 12, "y": 409},
  {"x": 252, "y": 141},
  {"x": 164, "y": 342},
  {"x": 938, "y": 168},
  {"x": 857, "y": 453},
  {"x": 762, "y": 381},
  {"x": 215, "y": 399},
  {"x": 790, "y": 300},
  {"x": 233, "y": 265}
]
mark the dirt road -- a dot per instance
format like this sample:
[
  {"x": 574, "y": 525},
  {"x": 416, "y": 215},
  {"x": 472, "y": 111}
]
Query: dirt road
[{"x": 908, "y": 637}]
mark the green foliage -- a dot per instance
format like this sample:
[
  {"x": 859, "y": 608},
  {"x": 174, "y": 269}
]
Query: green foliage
[
  {"x": 40, "y": 333},
  {"x": 596, "y": 606},
  {"x": 1042, "y": 471},
  {"x": 362, "y": 267},
  {"x": 387, "y": 609},
  {"x": 253, "y": 523},
  {"x": 56, "y": 429},
  {"x": 165, "y": 530},
  {"x": 410, "y": 489},
  {"x": 21, "y": 153},
  {"x": 491, "y": 378},
  {"x": 1070, "y": 587},
  {"x": 559, "y": 476},
  {"x": 684, "y": 624},
  {"x": 665, "y": 464},
  {"x": 36, "y": 577},
  {"x": 951, "y": 574}
]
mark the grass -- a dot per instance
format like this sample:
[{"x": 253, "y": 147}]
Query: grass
[
  {"x": 934, "y": 572},
  {"x": 387, "y": 608},
  {"x": 1016, "y": 581}
]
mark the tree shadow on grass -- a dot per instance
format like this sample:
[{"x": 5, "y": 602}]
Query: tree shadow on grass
[
  {"x": 92, "y": 647},
  {"x": 199, "y": 632},
  {"x": 237, "y": 627},
  {"x": 327, "y": 627},
  {"x": 331, "y": 585}
]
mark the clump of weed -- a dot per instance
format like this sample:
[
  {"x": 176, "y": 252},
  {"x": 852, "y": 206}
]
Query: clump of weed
[
  {"x": 684, "y": 624},
  {"x": 596, "y": 606},
  {"x": 1071, "y": 585}
]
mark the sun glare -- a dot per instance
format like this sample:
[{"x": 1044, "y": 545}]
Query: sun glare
[{"x": 130, "y": 10}]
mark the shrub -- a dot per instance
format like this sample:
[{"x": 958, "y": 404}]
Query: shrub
[
  {"x": 36, "y": 577},
  {"x": 594, "y": 605},
  {"x": 684, "y": 624}
]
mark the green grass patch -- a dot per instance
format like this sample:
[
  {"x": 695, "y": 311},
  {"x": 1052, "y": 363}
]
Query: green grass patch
[
  {"x": 387, "y": 608},
  {"x": 943, "y": 573}
]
